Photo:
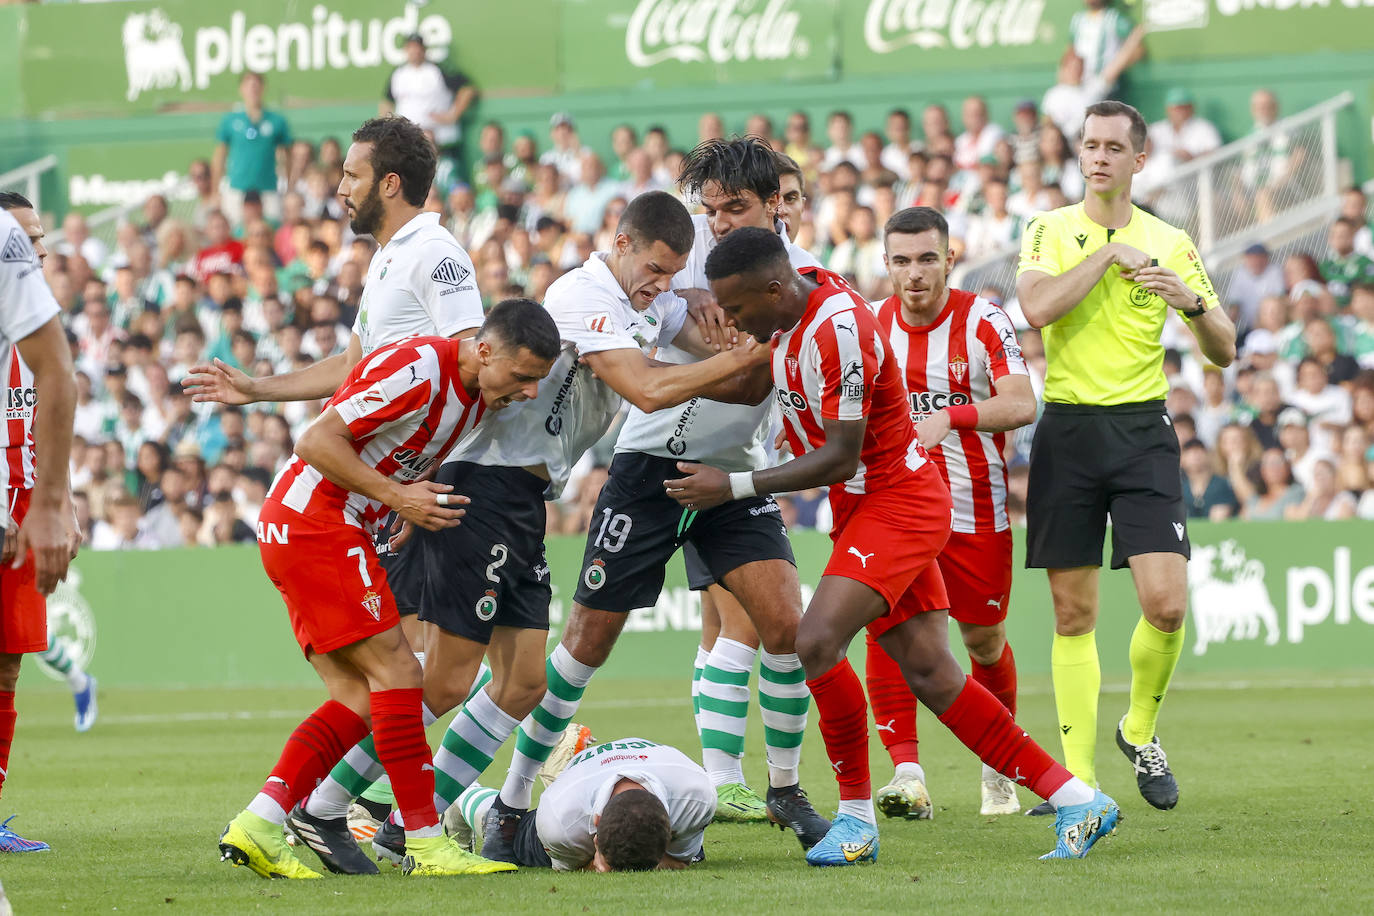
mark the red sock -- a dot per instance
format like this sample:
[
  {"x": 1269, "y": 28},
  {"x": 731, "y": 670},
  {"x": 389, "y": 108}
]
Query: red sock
[
  {"x": 312, "y": 750},
  {"x": 399, "y": 731},
  {"x": 999, "y": 678},
  {"x": 894, "y": 705},
  {"x": 7, "y": 719},
  {"x": 843, "y": 714},
  {"x": 987, "y": 729}
]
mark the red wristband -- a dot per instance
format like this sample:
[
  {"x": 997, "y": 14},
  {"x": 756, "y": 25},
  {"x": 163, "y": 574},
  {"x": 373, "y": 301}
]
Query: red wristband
[{"x": 963, "y": 416}]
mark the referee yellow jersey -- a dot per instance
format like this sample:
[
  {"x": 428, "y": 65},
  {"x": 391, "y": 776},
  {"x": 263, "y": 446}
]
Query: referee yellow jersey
[{"x": 1107, "y": 350}]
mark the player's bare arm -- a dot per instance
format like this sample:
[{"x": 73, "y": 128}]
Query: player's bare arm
[
  {"x": 327, "y": 446},
  {"x": 652, "y": 386},
  {"x": 751, "y": 387},
  {"x": 712, "y": 327},
  {"x": 222, "y": 383},
  {"x": 1045, "y": 299},
  {"x": 1214, "y": 330},
  {"x": 836, "y": 460},
  {"x": 1011, "y": 407},
  {"x": 49, "y": 529}
]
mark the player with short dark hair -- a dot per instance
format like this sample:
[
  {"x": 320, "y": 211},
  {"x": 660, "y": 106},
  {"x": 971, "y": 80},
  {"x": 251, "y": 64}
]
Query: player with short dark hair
[
  {"x": 968, "y": 384},
  {"x": 400, "y": 409},
  {"x": 1100, "y": 278},
  {"x": 34, "y": 494},
  {"x": 627, "y": 805},
  {"x": 847, "y": 417}
]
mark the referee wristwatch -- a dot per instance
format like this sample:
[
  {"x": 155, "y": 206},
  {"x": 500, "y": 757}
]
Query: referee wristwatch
[{"x": 1198, "y": 311}]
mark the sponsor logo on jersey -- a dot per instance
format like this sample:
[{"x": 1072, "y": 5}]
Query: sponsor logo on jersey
[
  {"x": 374, "y": 398},
  {"x": 554, "y": 424},
  {"x": 595, "y": 576},
  {"x": 17, "y": 249},
  {"x": 791, "y": 400},
  {"x": 1140, "y": 296},
  {"x": 852, "y": 382},
  {"x": 925, "y": 403},
  {"x": 600, "y": 323},
  {"x": 412, "y": 464},
  {"x": 764, "y": 509},
  {"x": 372, "y": 603},
  {"x": 958, "y": 369},
  {"x": 19, "y": 403},
  {"x": 1081, "y": 238},
  {"x": 486, "y": 606},
  {"x": 269, "y": 533},
  {"x": 677, "y": 442},
  {"x": 450, "y": 273}
]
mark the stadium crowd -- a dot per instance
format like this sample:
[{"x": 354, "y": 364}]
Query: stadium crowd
[{"x": 1287, "y": 432}]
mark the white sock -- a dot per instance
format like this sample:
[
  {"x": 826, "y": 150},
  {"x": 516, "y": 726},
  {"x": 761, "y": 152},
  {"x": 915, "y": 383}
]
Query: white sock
[
  {"x": 989, "y": 774},
  {"x": 1073, "y": 792},
  {"x": 910, "y": 769},
  {"x": 862, "y": 808},
  {"x": 266, "y": 807}
]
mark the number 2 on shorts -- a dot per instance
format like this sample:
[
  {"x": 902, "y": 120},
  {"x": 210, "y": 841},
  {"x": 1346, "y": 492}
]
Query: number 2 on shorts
[{"x": 362, "y": 564}]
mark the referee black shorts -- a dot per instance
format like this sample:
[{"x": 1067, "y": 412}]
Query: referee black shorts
[
  {"x": 1089, "y": 462},
  {"x": 636, "y": 527}
]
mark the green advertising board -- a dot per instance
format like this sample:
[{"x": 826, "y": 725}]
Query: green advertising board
[
  {"x": 1204, "y": 29},
  {"x": 94, "y": 59},
  {"x": 100, "y": 175},
  {"x": 1263, "y": 597},
  {"x": 883, "y": 36},
  {"x": 635, "y": 43}
]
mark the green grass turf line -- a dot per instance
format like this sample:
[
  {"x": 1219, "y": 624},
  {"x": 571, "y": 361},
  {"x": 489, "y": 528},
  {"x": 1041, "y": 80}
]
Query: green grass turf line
[{"x": 1274, "y": 815}]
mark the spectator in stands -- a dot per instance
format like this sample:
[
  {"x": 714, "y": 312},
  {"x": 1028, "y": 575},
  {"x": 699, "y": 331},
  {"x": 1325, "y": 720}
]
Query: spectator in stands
[
  {"x": 896, "y": 155},
  {"x": 121, "y": 532},
  {"x": 250, "y": 154},
  {"x": 1355, "y": 206},
  {"x": 839, "y": 129},
  {"x": 980, "y": 136},
  {"x": 1343, "y": 265},
  {"x": 1182, "y": 136},
  {"x": 1327, "y": 405},
  {"x": 1060, "y": 164},
  {"x": 995, "y": 228},
  {"x": 1239, "y": 452},
  {"x": 859, "y": 257},
  {"x": 1320, "y": 340},
  {"x": 1277, "y": 493},
  {"x": 710, "y": 126},
  {"x": 77, "y": 239},
  {"x": 936, "y": 130},
  {"x": 1097, "y": 33},
  {"x": 1255, "y": 279},
  {"x": 1296, "y": 441},
  {"x": 566, "y": 151},
  {"x": 1268, "y": 167},
  {"x": 207, "y": 193},
  {"x": 1214, "y": 409},
  {"x": 1263, "y": 411},
  {"x": 589, "y": 195},
  {"x": 222, "y": 253},
  {"x": 623, "y": 140},
  {"x": 797, "y": 137},
  {"x": 1324, "y": 499},
  {"x": 1206, "y": 494}
]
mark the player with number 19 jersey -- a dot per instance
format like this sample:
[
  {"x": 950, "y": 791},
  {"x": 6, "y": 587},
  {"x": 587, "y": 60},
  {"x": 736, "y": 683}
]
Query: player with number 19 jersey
[
  {"x": 893, "y": 516},
  {"x": 405, "y": 407}
]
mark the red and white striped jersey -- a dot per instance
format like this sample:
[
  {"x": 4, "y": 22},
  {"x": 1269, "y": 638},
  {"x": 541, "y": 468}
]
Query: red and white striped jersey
[
  {"x": 953, "y": 361},
  {"x": 17, "y": 434},
  {"x": 405, "y": 406},
  {"x": 836, "y": 364}
]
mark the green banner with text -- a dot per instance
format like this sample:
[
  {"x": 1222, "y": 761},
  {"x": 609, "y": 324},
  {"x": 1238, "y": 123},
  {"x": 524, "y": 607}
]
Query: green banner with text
[
  {"x": 1295, "y": 596},
  {"x": 1202, "y": 29}
]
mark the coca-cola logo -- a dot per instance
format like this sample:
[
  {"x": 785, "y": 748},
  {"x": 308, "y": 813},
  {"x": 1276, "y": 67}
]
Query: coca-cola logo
[
  {"x": 721, "y": 31},
  {"x": 890, "y": 25}
]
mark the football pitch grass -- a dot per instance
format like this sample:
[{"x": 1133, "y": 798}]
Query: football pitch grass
[{"x": 1274, "y": 815}]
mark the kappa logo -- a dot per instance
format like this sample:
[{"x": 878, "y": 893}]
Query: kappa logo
[
  {"x": 958, "y": 369},
  {"x": 372, "y": 603},
  {"x": 450, "y": 273},
  {"x": 17, "y": 249},
  {"x": 486, "y": 606},
  {"x": 1081, "y": 239},
  {"x": 863, "y": 557},
  {"x": 153, "y": 55}
]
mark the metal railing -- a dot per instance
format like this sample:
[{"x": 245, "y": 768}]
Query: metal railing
[
  {"x": 1274, "y": 186},
  {"x": 27, "y": 179},
  {"x": 104, "y": 224}
]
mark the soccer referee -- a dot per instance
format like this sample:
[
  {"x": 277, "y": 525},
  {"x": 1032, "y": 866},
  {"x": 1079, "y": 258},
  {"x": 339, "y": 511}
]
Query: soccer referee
[{"x": 1099, "y": 279}]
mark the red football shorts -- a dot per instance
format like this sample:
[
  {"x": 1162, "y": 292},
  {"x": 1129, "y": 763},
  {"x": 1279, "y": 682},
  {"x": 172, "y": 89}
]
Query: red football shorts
[
  {"x": 328, "y": 574},
  {"x": 23, "y": 609},
  {"x": 889, "y": 541},
  {"x": 977, "y": 573}
]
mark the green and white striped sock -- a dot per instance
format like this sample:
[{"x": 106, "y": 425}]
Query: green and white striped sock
[
  {"x": 472, "y": 739},
  {"x": 60, "y": 658},
  {"x": 360, "y": 769},
  {"x": 724, "y": 699},
  {"x": 698, "y": 667},
  {"x": 783, "y": 701},
  {"x": 534, "y": 741},
  {"x": 474, "y": 804}
]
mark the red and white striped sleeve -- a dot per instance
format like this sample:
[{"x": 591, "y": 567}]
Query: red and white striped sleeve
[
  {"x": 996, "y": 337},
  {"x": 849, "y": 365},
  {"x": 393, "y": 384}
]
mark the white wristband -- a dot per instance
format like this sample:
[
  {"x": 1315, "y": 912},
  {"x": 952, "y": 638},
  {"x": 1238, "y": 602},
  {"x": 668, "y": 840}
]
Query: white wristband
[{"x": 742, "y": 485}]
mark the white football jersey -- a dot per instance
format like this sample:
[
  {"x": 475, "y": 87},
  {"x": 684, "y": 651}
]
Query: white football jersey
[
  {"x": 566, "y": 817},
  {"x": 574, "y": 408},
  {"x": 420, "y": 283},
  {"x": 732, "y": 437}
]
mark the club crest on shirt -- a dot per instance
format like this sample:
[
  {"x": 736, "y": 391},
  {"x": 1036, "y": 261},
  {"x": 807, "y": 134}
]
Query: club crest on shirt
[
  {"x": 450, "y": 273},
  {"x": 958, "y": 369},
  {"x": 386, "y": 267},
  {"x": 486, "y": 606},
  {"x": 372, "y": 603},
  {"x": 1140, "y": 296}
]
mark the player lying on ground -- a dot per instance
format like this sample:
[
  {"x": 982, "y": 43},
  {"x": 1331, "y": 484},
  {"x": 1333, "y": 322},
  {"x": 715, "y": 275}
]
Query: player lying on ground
[
  {"x": 968, "y": 384},
  {"x": 848, "y": 421},
  {"x": 627, "y": 805},
  {"x": 400, "y": 410},
  {"x": 485, "y": 584}
]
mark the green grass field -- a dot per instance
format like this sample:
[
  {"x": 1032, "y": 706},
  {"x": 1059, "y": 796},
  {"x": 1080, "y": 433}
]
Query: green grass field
[{"x": 1274, "y": 815}]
